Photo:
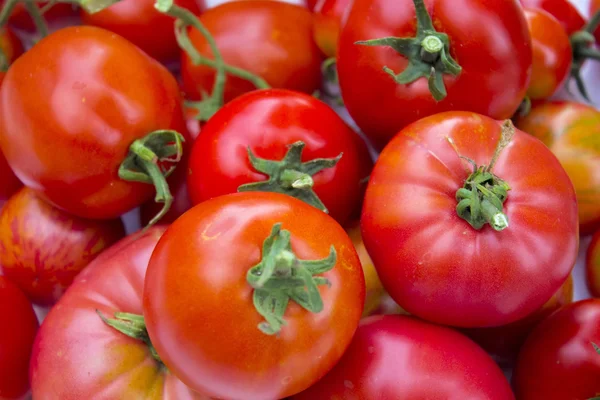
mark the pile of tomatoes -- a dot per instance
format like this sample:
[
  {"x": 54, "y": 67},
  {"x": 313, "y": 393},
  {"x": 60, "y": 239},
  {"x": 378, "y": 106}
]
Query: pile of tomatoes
[{"x": 339, "y": 199}]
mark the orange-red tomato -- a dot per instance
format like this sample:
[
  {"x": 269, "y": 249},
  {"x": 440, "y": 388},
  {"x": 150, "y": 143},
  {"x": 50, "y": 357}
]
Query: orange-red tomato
[
  {"x": 552, "y": 54},
  {"x": 592, "y": 265},
  {"x": 199, "y": 305},
  {"x": 268, "y": 38},
  {"x": 140, "y": 23},
  {"x": 572, "y": 132},
  {"x": 328, "y": 20},
  {"x": 563, "y": 10},
  {"x": 42, "y": 248}
]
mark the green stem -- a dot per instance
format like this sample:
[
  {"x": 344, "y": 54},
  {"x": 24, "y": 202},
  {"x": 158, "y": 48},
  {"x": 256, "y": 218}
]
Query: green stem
[
  {"x": 280, "y": 277},
  {"x": 37, "y": 17},
  {"x": 7, "y": 9}
]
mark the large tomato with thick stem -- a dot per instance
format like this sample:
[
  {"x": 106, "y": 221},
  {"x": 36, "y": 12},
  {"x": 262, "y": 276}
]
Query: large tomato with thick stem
[
  {"x": 592, "y": 265},
  {"x": 16, "y": 340},
  {"x": 71, "y": 108},
  {"x": 563, "y": 10},
  {"x": 253, "y": 295},
  {"x": 560, "y": 360},
  {"x": 140, "y": 23},
  {"x": 552, "y": 54},
  {"x": 268, "y": 38},
  {"x": 88, "y": 352},
  {"x": 282, "y": 141},
  {"x": 478, "y": 60},
  {"x": 572, "y": 132},
  {"x": 469, "y": 221},
  {"x": 42, "y": 248},
  {"x": 399, "y": 357}
]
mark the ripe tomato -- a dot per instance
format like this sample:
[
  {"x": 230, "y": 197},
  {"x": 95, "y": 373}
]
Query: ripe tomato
[
  {"x": 328, "y": 20},
  {"x": 268, "y": 38},
  {"x": 140, "y": 23},
  {"x": 271, "y": 123},
  {"x": 206, "y": 319},
  {"x": 16, "y": 340},
  {"x": 399, "y": 357},
  {"x": 491, "y": 78},
  {"x": 505, "y": 341},
  {"x": 559, "y": 359},
  {"x": 88, "y": 353},
  {"x": 57, "y": 14},
  {"x": 563, "y": 10},
  {"x": 594, "y": 7},
  {"x": 592, "y": 265},
  {"x": 552, "y": 54},
  {"x": 9, "y": 183},
  {"x": 374, "y": 289},
  {"x": 71, "y": 108},
  {"x": 572, "y": 132},
  {"x": 425, "y": 221},
  {"x": 42, "y": 248}
]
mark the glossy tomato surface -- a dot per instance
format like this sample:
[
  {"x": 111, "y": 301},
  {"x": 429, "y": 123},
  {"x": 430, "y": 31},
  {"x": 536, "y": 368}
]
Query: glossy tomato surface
[
  {"x": 42, "y": 249},
  {"x": 268, "y": 38},
  {"x": 268, "y": 122},
  {"x": 199, "y": 307},
  {"x": 90, "y": 354},
  {"x": 558, "y": 360},
  {"x": 71, "y": 107},
  {"x": 592, "y": 265},
  {"x": 563, "y": 10},
  {"x": 552, "y": 54},
  {"x": 488, "y": 38},
  {"x": 328, "y": 20},
  {"x": 432, "y": 262},
  {"x": 572, "y": 132},
  {"x": 140, "y": 23},
  {"x": 399, "y": 357},
  {"x": 16, "y": 340}
]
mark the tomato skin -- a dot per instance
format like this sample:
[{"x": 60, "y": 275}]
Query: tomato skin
[
  {"x": 9, "y": 183},
  {"x": 268, "y": 38},
  {"x": 552, "y": 54},
  {"x": 558, "y": 360},
  {"x": 571, "y": 131},
  {"x": 429, "y": 368},
  {"x": 89, "y": 353},
  {"x": 268, "y": 121},
  {"x": 328, "y": 20},
  {"x": 592, "y": 265},
  {"x": 419, "y": 243},
  {"x": 495, "y": 73},
  {"x": 16, "y": 340},
  {"x": 594, "y": 7},
  {"x": 111, "y": 94},
  {"x": 563, "y": 10},
  {"x": 140, "y": 23},
  {"x": 42, "y": 248},
  {"x": 217, "y": 348},
  {"x": 504, "y": 342}
]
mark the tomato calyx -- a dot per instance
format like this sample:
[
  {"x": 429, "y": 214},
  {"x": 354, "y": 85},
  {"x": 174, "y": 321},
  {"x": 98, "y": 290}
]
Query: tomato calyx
[
  {"x": 280, "y": 277},
  {"x": 582, "y": 43},
  {"x": 145, "y": 163},
  {"x": 133, "y": 326},
  {"x": 290, "y": 175},
  {"x": 428, "y": 54},
  {"x": 481, "y": 199}
]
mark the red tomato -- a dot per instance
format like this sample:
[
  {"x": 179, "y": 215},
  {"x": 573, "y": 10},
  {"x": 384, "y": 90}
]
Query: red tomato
[
  {"x": 42, "y": 248},
  {"x": 425, "y": 221},
  {"x": 552, "y": 54},
  {"x": 328, "y": 19},
  {"x": 493, "y": 79},
  {"x": 572, "y": 132},
  {"x": 57, "y": 14},
  {"x": 594, "y": 7},
  {"x": 16, "y": 340},
  {"x": 398, "y": 357},
  {"x": 9, "y": 183},
  {"x": 268, "y": 38},
  {"x": 559, "y": 360},
  {"x": 563, "y": 10},
  {"x": 88, "y": 353},
  {"x": 72, "y": 106},
  {"x": 310, "y": 4},
  {"x": 505, "y": 341},
  {"x": 207, "y": 320},
  {"x": 140, "y": 23},
  {"x": 269, "y": 122},
  {"x": 592, "y": 265}
]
